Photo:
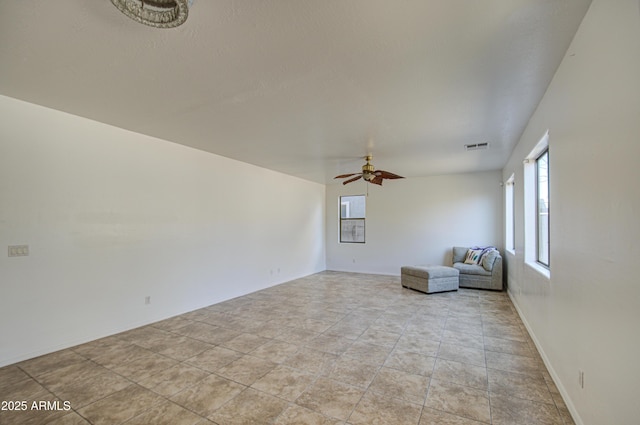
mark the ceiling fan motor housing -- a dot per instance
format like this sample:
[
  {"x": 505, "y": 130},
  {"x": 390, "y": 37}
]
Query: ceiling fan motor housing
[{"x": 368, "y": 170}]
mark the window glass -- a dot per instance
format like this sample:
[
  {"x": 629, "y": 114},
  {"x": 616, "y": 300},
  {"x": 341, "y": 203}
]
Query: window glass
[
  {"x": 352, "y": 217},
  {"x": 542, "y": 208}
]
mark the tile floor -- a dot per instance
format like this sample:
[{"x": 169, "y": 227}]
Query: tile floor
[{"x": 332, "y": 348}]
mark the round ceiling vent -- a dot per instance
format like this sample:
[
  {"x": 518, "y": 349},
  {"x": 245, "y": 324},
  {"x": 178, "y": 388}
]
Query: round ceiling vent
[{"x": 155, "y": 13}]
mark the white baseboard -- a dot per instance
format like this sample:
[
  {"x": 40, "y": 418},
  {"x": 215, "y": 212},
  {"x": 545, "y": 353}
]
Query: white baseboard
[{"x": 556, "y": 379}]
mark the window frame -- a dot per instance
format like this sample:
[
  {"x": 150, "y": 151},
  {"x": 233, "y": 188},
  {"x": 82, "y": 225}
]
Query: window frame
[
  {"x": 539, "y": 242},
  {"x": 510, "y": 215},
  {"x": 356, "y": 221},
  {"x": 530, "y": 211}
]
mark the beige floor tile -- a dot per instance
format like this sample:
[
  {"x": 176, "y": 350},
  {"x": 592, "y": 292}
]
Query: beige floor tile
[
  {"x": 566, "y": 416},
  {"x": 312, "y": 361},
  {"x": 175, "y": 379},
  {"x": 100, "y": 346},
  {"x": 459, "y": 400},
  {"x": 399, "y": 384},
  {"x": 172, "y": 323},
  {"x": 314, "y": 325},
  {"x": 58, "y": 378},
  {"x": 513, "y": 363},
  {"x": 415, "y": 363},
  {"x": 85, "y": 391},
  {"x": 464, "y": 339},
  {"x": 297, "y": 415},
  {"x": 346, "y": 330},
  {"x": 462, "y": 354},
  {"x": 28, "y": 390},
  {"x": 246, "y": 370},
  {"x": 208, "y": 395},
  {"x": 214, "y": 359},
  {"x": 330, "y": 344},
  {"x": 527, "y": 387},
  {"x": 207, "y": 333},
  {"x": 379, "y": 337},
  {"x": 368, "y": 353},
  {"x": 510, "y": 410},
  {"x": 464, "y": 326},
  {"x": 275, "y": 351},
  {"x": 44, "y": 364},
  {"x": 465, "y": 374},
  {"x": 418, "y": 344},
  {"x": 183, "y": 348},
  {"x": 167, "y": 413},
  {"x": 141, "y": 369},
  {"x": 10, "y": 376},
  {"x": 297, "y": 336},
  {"x": 69, "y": 419},
  {"x": 428, "y": 328},
  {"x": 352, "y": 372},
  {"x": 120, "y": 406},
  {"x": 249, "y": 407},
  {"x": 508, "y": 346},
  {"x": 375, "y": 409},
  {"x": 331, "y": 398},
  {"x": 284, "y": 382},
  {"x": 245, "y": 342},
  {"x": 30, "y": 416},
  {"x": 438, "y": 417},
  {"x": 120, "y": 354}
]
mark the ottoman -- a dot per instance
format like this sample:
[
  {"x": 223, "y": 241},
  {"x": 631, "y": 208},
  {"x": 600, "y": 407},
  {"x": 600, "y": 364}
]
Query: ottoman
[{"x": 429, "y": 279}]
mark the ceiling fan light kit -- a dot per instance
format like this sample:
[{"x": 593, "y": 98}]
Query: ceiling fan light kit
[
  {"x": 155, "y": 13},
  {"x": 369, "y": 174}
]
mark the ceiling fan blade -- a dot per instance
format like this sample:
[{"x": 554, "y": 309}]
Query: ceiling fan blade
[
  {"x": 342, "y": 176},
  {"x": 387, "y": 175},
  {"x": 376, "y": 180},
  {"x": 353, "y": 179}
]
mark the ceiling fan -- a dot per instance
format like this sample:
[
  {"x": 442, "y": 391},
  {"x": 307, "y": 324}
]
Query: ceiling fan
[{"x": 369, "y": 174}]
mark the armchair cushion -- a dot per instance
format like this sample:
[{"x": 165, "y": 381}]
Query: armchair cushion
[
  {"x": 489, "y": 259},
  {"x": 471, "y": 269}
]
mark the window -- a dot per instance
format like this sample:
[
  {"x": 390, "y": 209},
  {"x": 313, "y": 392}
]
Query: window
[
  {"x": 510, "y": 237},
  {"x": 542, "y": 208},
  {"x": 536, "y": 207},
  {"x": 352, "y": 216}
]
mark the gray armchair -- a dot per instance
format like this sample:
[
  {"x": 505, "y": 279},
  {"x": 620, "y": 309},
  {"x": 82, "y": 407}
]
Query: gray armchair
[{"x": 486, "y": 275}]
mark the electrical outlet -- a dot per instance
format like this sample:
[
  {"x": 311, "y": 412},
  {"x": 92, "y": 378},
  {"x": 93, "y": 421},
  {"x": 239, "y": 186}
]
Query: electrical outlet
[
  {"x": 18, "y": 250},
  {"x": 147, "y": 300},
  {"x": 581, "y": 378}
]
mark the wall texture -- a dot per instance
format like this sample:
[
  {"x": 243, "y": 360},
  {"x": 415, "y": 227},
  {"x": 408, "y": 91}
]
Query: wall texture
[
  {"x": 112, "y": 217},
  {"x": 585, "y": 316},
  {"x": 416, "y": 221}
]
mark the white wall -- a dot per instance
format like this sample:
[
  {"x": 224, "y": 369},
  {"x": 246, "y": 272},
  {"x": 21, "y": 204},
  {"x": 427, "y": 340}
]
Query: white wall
[
  {"x": 416, "y": 221},
  {"x": 112, "y": 216},
  {"x": 586, "y": 316}
]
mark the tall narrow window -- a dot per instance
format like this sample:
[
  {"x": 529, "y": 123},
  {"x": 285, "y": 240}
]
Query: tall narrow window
[
  {"x": 352, "y": 216},
  {"x": 509, "y": 222},
  {"x": 536, "y": 208},
  {"x": 542, "y": 208}
]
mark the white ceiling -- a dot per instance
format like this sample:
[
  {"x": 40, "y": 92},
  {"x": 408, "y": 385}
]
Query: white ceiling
[{"x": 305, "y": 87}]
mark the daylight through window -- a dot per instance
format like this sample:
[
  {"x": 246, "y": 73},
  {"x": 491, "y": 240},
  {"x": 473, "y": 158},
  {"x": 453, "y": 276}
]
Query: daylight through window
[
  {"x": 352, "y": 216},
  {"x": 542, "y": 208},
  {"x": 537, "y": 252}
]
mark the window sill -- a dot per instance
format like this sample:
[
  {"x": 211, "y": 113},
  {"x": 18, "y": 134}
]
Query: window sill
[
  {"x": 511, "y": 251},
  {"x": 545, "y": 272}
]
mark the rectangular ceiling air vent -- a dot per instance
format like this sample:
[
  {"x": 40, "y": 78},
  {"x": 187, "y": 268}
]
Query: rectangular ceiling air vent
[{"x": 476, "y": 146}]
